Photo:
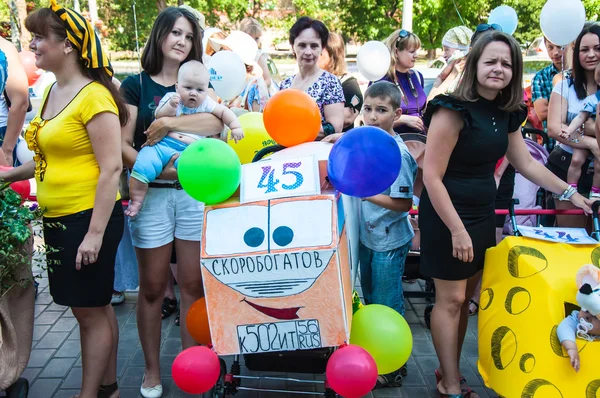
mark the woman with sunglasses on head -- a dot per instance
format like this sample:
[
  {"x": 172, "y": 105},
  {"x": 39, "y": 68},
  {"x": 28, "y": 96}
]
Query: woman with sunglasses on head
[
  {"x": 75, "y": 137},
  {"x": 469, "y": 131},
  {"x": 169, "y": 217},
  {"x": 403, "y": 46}
]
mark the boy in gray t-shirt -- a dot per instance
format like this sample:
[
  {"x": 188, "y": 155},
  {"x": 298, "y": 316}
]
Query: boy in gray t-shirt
[{"x": 385, "y": 230}]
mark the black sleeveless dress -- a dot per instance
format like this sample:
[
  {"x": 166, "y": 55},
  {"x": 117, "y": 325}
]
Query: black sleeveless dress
[{"x": 470, "y": 182}]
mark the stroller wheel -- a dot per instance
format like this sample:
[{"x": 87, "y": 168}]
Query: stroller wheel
[
  {"x": 18, "y": 390},
  {"x": 427, "y": 315},
  {"x": 218, "y": 391}
]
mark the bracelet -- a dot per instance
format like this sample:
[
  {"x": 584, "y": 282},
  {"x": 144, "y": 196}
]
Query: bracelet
[
  {"x": 566, "y": 195},
  {"x": 328, "y": 129}
]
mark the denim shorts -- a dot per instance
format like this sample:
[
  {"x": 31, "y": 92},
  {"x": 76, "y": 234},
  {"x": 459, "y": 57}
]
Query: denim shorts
[{"x": 166, "y": 213}]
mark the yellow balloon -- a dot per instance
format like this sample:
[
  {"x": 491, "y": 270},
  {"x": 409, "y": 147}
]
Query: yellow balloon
[{"x": 255, "y": 137}]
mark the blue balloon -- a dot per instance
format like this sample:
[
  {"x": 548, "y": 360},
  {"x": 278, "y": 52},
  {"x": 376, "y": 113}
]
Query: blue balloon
[
  {"x": 364, "y": 162},
  {"x": 506, "y": 17}
]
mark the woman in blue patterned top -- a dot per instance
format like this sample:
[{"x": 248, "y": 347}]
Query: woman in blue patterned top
[
  {"x": 403, "y": 46},
  {"x": 308, "y": 37}
]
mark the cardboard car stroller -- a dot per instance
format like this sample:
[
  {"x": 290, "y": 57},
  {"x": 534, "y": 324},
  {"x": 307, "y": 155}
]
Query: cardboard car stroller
[{"x": 277, "y": 265}]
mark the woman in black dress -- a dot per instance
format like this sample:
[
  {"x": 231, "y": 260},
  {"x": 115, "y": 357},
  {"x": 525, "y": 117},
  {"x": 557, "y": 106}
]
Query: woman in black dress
[{"x": 468, "y": 132}]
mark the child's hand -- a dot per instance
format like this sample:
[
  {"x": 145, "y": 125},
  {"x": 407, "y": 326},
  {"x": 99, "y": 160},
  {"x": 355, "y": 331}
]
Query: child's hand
[
  {"x": 566, "y": 134},
  {"x": 175, "y": 100},
  {"x": 237, "y": 134},
  {"x": 574, "y": 356}
]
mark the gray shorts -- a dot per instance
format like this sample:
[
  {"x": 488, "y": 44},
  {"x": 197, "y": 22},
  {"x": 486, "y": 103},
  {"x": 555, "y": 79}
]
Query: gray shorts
[{"x": 166, "y": 213}]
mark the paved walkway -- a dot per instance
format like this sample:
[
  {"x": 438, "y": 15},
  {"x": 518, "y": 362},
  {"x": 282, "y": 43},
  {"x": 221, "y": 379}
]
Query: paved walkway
[{"x": 54, "y": 369}]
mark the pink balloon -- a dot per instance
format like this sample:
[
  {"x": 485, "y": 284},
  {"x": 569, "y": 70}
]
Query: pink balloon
[
  {"x": 196, "y": 370},
  {"x": 351, "y": 371}
]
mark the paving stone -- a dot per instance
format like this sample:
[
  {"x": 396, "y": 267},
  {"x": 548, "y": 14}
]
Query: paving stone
[
  {"x": 69, "y": 349},
  {"x": 39, "y": 331},
  {"x": 415, "y": 392},
  {"x": 166, "y": 362},
  {"x": 30, "y": 374},
  {"x": 43, "y": 298},
  {"x": 39, "y": 358},
  {"x": 171, "y": 347},
  {"x": 132, "y": 377},
  {"x": 39, "y": 308},
  {"x": 73, "y": 379},
  {"x": 62, "y": 393},
  {"x": 57, "y": 367},
  {"x": 47, "y": 318},
  {"x": 64, "y": 325},
  {"x": 44, "y": 388},
  {"x": 52, "y": 340},
  {"x": 388, "y": 393},
  {"x": 57, "y": 307},
  {"x": 129, "y": 331},
  {"x": 75, "y": 334},
  {"x": 127, "y": 347}
]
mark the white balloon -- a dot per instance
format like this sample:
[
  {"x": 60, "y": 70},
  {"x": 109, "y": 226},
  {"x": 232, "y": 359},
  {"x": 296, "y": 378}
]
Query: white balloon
[
  {"x": 227, "y": 74},
  {"x": 562, "y": 21},
  {"x": 208, "y": 32},
  {"x": 23, "y": 153},
  {"x": 506, "y": 17},
  {"x": 319, "y": 149},
  {"x": 373, "y": 60}
]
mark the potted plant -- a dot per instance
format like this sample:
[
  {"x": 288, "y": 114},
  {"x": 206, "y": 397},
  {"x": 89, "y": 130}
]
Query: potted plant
[{"x": 16, "y": 288}]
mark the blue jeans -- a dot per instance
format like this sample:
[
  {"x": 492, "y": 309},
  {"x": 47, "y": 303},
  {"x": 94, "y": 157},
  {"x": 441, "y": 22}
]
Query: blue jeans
[
  {"x": 152, "y": 159},
  {"x": 381, "y": 276}
]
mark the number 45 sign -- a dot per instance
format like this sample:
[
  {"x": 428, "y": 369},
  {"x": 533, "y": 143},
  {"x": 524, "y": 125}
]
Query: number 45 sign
[{"x": 279, "y": 178}]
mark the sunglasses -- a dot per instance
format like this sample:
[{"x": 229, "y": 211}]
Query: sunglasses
[{"x": 484, "y": 27}]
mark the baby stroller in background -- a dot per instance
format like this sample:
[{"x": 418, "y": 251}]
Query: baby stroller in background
[{"x": 530, "y": 195}]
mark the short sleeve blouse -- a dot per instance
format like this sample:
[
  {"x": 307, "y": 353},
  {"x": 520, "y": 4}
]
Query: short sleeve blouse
[{"x": 326, "y": 90}]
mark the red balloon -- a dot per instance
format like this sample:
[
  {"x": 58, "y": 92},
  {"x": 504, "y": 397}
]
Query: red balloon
[
  {"x": 351, "y": 371},
  {"x": 196, "y": 370},
  {"x": 32, "y": 71},
  {"x": 23, "y": 188}
]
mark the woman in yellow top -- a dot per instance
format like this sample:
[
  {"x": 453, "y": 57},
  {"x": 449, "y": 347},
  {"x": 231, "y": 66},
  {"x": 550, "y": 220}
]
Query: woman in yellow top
[{"x": 77, "y": 163}]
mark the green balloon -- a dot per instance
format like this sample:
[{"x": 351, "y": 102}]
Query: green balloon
[
  {"x": 385, "y": 335},
  {"x": 209, "y": 171}
]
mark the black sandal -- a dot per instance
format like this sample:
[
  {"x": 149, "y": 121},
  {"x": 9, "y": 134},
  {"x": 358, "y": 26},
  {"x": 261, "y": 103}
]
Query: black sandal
[
  {"x": 389, "y": 380},
  {"x": 106, "y": 391},
  {"x": 177, "y": 320},
  {"x": 169, "y": 306}
]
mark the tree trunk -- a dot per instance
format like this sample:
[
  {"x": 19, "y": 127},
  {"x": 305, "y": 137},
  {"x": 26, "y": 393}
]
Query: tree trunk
[
  {"x": 14, "y": 24},
  {"x": 161, "y": 5},
  {"x": 25, "y": 36},
  {"x": 431, "y": 54}
]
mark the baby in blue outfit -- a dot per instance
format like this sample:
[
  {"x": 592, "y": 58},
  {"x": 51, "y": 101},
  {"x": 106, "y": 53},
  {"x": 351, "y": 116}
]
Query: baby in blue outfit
[
  {"x": 585, "y": 323},
  {"x": 191, "y": 97}
]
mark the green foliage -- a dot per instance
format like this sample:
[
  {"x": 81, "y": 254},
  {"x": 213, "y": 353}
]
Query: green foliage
[{"x": 16, "y": 232}]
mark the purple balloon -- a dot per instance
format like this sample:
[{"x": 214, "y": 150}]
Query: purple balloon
[{"x": 364, "y": 162}]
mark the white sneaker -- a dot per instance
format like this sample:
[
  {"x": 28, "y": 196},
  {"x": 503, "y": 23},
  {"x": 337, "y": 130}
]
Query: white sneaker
[{"x": 117, "y": 298}]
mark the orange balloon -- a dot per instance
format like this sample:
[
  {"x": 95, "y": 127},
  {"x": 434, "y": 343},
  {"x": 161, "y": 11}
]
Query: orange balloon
[
  {"x": 197, "y": 322},
  {"x": 292, "y": 117}
]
